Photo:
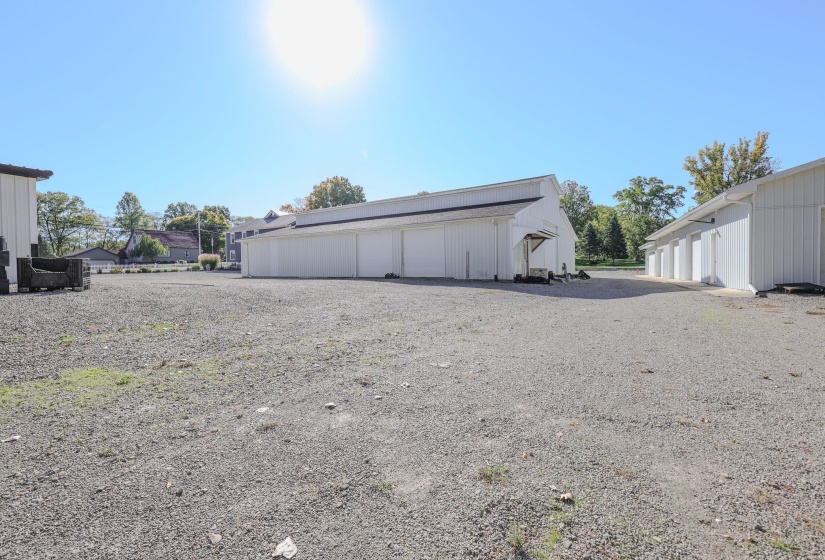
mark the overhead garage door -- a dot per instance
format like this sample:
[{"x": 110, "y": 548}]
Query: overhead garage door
[
  {"x": 374, "y": 254},
  {"x": 696, "y": 258},
  {"x": 423, "y": 253}
]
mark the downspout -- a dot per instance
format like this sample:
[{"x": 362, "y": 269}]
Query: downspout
[{"x": 751, "y": 217}]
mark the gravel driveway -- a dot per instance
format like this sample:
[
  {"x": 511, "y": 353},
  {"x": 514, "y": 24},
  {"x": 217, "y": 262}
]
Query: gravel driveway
[{"x": 183, "y": 416}]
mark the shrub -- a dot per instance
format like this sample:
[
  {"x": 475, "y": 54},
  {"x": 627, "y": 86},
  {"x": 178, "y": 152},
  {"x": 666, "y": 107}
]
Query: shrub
[
  {"x": 127, "y": 271},
  {"x": 158, "y": 270},
  {"x": 195, "y": 267},
  {"x": 174, "y": 270},
  {"x": 117, "y": 270},
  {"x": 144, "y": 269},
  {"x": 209, "y": 261},
  {"x": 181, "y": 261}
]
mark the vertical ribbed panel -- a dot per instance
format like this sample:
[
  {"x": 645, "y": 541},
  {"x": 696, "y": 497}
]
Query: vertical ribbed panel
[
  {"x": 18, "y": 218},
  {"x": 470, "y": 243},
  {"x": 787, "y": 229},
  {"x": 322, "y": 256}
]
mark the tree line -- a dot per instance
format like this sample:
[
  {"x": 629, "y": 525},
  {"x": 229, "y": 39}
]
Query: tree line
[{"x": 648, "y": 204}]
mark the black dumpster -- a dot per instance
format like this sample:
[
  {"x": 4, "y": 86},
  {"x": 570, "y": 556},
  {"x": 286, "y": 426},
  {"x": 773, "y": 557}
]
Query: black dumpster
[{"x": 35, "y": 274}]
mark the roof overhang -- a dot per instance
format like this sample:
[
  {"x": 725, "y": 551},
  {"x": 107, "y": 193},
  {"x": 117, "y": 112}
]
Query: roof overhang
[{"x": 38, "y": 174}]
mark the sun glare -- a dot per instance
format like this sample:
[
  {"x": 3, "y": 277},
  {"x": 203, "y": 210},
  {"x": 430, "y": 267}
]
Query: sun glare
[{"x": 323, "y": 43}]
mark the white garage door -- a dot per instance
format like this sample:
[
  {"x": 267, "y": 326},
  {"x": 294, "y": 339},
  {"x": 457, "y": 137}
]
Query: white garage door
[
  {"x": 374, "y": 254},
  {"x": 822, "y": 248},
  {"x": 423, "y": 253},
  {"x": 677, "y": 260},
  {"x": 696, "y": 258}
]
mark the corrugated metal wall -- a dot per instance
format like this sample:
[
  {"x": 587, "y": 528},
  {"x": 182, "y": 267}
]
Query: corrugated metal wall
[
  {"x": 470, "y": 250},
  {"x": 422, "y": 203},
  {"x": 787, "y": 229},
  {"x": 18, "y": 217}
]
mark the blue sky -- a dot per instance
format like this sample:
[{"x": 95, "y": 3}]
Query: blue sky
[{"x": 188, "y": 100}]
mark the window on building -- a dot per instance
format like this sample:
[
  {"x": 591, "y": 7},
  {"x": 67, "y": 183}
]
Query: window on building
[
  {"x": 256, "y": 232},
  {"x": 232, "y": 255},
  {"x": 186, "y": 254},
  {"x": 243, "y": 235},
  {"x": 232, "y": 236}
]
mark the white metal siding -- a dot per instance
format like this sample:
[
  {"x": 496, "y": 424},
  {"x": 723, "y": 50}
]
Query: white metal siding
[
  {"x": 822, "y": 247},
  {"x": 677, "y": 261},
  {"x": 374, "y": 254},
  {"x": 423, "y": 253},
  {"x": 470, "y": 250},
  {"x": 422, "y": 203},
  {"x": 18, "y": 218},
  {"x": 787, "y": 229},
  {"x": 321, "y": 256},
  {"x": 696, "y": 258}
]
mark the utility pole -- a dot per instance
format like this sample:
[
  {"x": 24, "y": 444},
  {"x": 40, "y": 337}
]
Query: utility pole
[{"x": 199, "y": 232}]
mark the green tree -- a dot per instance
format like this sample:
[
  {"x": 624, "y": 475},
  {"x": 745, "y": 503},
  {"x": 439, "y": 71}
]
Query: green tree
[
  {"x": 129, "y": 214},
  {"x": 178, "y": 209},
  {"x": 615, "y": 242},
  {"x": 644, "y": 207},
  {"x": 148, "y": 248},
  {"x": 220, "y": 210},
  {"x": 576, "y": 202},
  {"x": 714, "y": 170},
  {"x": 335, "y": 191},
  {"x": 590, "y": 245},
  {"x": 63, "y": 221},
  {"x": 213, "y": 227}
]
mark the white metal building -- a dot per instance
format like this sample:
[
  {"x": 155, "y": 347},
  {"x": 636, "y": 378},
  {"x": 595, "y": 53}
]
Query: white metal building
[
  {"x": 767, "y": 231},
  {"x": 18, "y": 212},
  {"x": 486, "y": 233}
]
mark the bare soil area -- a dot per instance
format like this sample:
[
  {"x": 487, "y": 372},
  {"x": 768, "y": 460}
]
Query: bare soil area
[{"x": 202, "y": 415}]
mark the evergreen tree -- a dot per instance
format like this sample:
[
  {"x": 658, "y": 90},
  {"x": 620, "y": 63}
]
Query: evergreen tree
[
  {"x": 615, "y": 247},
  {"x": 591, "y": 243}
]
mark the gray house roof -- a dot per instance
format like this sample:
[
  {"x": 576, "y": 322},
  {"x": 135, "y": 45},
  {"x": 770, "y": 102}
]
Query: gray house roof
[
  {"x": 493, "y": 210},
  {"x": 176, "y": 239},
  {"x": 98, "y": 253},
  {"x": 38, "y": 174},
  {"x": 273, "y": 222}
]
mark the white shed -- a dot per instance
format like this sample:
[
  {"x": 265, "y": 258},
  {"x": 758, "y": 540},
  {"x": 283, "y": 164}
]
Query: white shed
[
  {"x": 756, "y": 235},
  {"x": 484, "y": 233},
  {"x": 18, "y": 212}
]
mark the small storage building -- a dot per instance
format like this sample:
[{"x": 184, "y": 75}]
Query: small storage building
[
  {"x": 96, "y": 256},
  {"x": 767, "y": 231},
  {"x": 482, "y": 233},
  {"x": 18, "y": 212}
]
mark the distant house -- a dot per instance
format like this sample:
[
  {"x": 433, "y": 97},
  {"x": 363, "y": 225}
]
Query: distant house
[
  {"x": 96, "y": 256},
  {"x": 181, "y": 245},
  {"x": 18, "y": 212},
  {"x": 272, "y": 221}
]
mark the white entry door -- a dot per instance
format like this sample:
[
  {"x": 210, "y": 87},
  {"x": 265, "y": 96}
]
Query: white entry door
[
  {"x": 696, "y": 258},
  {"x": 423, "y": 253},
  {"x": 374, "y": 254}
]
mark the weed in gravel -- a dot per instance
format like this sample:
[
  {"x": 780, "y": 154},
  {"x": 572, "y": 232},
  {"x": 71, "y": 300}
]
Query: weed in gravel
[
  {"x": 627, "y": 474},
  {"x": 105, "y": 453},
  {"x": 761, "y": 497},
  {"x": 125, "y": 379},
  {"x": 363, "y": 380},
  {"x": 12, "y": 339},
  {"x": 383, "y": 486},
  {"x": 90, "y": 386},
  {"x": 66, "y": 340},
  {"x": 783, "y": 545},
  {"x": 266, "y": 426},
  {"x": 161, "y": 328},
  {"x": 493, "y": 474},
  {"x": 516, "y": 536},
  {"x": 550, "y": 542}
]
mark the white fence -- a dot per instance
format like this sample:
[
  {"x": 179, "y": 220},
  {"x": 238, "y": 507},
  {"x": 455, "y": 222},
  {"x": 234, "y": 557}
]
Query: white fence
[{"x": 134, "y": 267}]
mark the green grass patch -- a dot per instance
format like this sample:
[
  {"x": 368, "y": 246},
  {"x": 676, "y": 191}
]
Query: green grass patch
[
  {"x": 66, "y": 339},
  {"x": 495, "y": 474},
  {"x": 516, "y": 537},
  {"x": 586, "y": 264},
  {"x": 382, "y": 486},
  {"x": 12, "y": 339},
  {"x": 553, "y": 539},
  {"x": 161, "y": 328},
  {"x": 105, "y": 453}
]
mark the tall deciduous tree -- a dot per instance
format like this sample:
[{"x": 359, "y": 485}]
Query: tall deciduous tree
[
  {"x": 63, "y": 220},
  {"x": 129, "y": 214},
  {"x": 615, "y": 247},
  {"x": 298, "y": 205},
  {"x": 335, "y": 191},
  {"x": 213, "y": 226},
  {"x": 220, "y": 210},
  {"x": 178, "y": 209},
  {"x": 645, "y": 206},
  {"x": 714, "y": 170},
  {"x": 148, "y": 248},
  {"x": 577, "y": 204}
]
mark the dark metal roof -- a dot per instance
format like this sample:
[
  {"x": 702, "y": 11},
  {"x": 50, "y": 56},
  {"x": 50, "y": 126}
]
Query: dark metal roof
[
  {"x": 25, "y": 171},
  {"x": 176, "y": 239},
  {"x": 275, "y": 222},
  {"x": 493, "y": 210}
]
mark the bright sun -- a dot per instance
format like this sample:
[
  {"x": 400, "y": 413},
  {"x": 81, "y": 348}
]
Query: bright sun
[{"x": 322, "y": 42}]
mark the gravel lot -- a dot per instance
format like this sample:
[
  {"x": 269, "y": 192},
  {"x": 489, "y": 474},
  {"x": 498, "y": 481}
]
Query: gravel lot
[{"x": 182, "y": 416}]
